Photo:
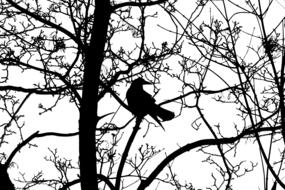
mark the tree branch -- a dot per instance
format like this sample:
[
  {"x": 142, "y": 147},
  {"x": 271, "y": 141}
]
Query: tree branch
[
  {"x": 34, "y": 90},
  {"x": 21, "y": 145},
  {"x": 69, "y": 184},
  {"x": 40, "y": 19},
  {"x": 125, "y": 153},
  {"x": 205, "y": 142},
  {"x": 138, "y": 4},
  {"x": 199, "y": 91},
  {"x": 35, "y": 135}
]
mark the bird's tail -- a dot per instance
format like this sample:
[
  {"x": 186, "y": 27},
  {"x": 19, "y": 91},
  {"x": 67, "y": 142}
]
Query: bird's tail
[{"x": 163, "y": 114}]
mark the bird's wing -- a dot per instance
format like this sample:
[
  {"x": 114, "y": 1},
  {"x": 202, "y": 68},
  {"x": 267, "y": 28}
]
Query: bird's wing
[{"x": 147, "y": 98}]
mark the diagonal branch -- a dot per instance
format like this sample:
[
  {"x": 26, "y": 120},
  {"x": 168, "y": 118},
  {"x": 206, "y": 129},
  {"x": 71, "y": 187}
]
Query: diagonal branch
[
  {"x": 205, "y": 142},
  {"x": 30, "y": 138},
  {"x": 40, "y": 19},
  {"x": 126, "y": 152},
  {"x": 21, "y": 145},
  {"x": 69, "y": 184}
]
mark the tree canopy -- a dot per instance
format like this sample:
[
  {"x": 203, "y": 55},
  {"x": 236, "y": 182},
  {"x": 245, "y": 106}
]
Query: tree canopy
[{"x": 66, "y": 67}]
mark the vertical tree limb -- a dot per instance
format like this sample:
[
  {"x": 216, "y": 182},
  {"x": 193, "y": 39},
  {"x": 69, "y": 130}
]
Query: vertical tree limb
[
  {"x": 126, "y": 152},
  {"x": 88, "y": 111}
]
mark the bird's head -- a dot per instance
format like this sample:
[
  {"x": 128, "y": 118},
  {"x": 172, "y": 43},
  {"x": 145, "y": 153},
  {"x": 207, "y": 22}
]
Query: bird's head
[{"x": 140, "y": 81}]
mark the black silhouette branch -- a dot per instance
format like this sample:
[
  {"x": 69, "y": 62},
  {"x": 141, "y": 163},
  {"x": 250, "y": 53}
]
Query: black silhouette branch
[
  {"x": 57, "y": 134},
  {"x": 200, "y": 143},
  {"x": 138, "y": 4},
  {"x": 126, "y": 152},
  {"x": 54, "y": 90},
  {"x": 40, "y": 19},
  {"x": 107, "y": 181},
  {"x": 199, "y": 92},
  {"x": 69, "y": 184},
  {"x": 18, "y": 148},
  {"x": 219, "y": 147},
  {"x": 108, "y": 89},
  {"x": 76, "y": 181},
  {"x": 33, "y": 136},
  {"x": 48, "y": 91}
]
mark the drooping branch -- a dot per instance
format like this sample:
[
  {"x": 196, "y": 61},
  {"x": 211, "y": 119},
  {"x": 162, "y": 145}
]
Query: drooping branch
[
  {"x": 200, "y": 143},
  {"x": 40, "y": 19},
  {"x": 33, "y": 136}
]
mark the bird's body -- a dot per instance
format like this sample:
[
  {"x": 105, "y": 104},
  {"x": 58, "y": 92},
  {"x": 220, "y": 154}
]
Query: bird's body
[{"x": 141, "y": 103}]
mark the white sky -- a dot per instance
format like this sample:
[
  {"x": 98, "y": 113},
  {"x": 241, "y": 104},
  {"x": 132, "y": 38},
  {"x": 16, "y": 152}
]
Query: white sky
[{"x": 64, "y": 118}]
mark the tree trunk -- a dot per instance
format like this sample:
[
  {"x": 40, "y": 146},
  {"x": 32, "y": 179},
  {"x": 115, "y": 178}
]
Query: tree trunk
[
  {"x": 5, "y": 182},
  {"x": 88, "y": 111}
]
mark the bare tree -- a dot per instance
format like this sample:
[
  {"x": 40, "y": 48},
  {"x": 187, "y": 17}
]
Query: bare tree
[
  {"x": 89, "y": 52},
  {"x": 248, "y": 69}
]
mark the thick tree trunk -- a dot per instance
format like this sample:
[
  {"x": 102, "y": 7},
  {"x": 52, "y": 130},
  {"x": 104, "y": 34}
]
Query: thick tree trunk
[
  {"x": 5, "y": 182},
  {"x": 88, "y": 111}
]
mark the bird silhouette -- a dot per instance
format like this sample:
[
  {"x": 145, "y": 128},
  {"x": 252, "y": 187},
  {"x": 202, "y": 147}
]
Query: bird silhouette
[{"x": 141, "y": 103}]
